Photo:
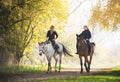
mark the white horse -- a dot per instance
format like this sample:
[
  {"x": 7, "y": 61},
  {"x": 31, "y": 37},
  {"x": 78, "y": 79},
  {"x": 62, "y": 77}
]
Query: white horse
[{"x": 47, "y": 49}]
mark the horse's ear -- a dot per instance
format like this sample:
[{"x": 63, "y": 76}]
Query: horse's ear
[
  {"x": 77, "y": 35},
  {"x": 40, "y": 43}
]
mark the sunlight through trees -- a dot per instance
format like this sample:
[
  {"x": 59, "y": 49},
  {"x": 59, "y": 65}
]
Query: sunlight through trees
[
  {"x": 106, "y": 13},
  {"x": 23, "y": 22}
]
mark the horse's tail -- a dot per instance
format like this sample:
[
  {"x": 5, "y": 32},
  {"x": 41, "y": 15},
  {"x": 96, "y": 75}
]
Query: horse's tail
[
  {"x": 93, "y": 47},
  {"x": 66, "y": 52}
]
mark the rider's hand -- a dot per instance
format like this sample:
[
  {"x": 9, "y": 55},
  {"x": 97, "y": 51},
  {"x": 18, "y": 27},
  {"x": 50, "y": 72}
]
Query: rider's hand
[{"x": 46, "y": 39}]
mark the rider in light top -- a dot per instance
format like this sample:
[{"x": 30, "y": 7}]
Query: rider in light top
[
  {"x": 52, "y": 35},
  {"x": 86, "y": 35}
]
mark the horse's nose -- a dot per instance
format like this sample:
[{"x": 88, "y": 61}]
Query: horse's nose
[{"x": 40, "y": 54}]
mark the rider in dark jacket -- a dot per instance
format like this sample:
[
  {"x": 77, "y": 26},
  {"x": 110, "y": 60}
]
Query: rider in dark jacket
[
  {"x": 86, "y": 35},
  {"x": 52, "y": 35}
]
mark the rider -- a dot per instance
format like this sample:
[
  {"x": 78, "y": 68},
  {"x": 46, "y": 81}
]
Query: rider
[
  {"x": 52, "y": 35},
  {"x": 86, "y": 35}
]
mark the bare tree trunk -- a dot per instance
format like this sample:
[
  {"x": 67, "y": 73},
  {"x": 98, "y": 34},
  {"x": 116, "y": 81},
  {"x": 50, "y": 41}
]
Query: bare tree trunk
[
  {"x": 6, "y": 58},
  {"x": 18, "y": 57}
]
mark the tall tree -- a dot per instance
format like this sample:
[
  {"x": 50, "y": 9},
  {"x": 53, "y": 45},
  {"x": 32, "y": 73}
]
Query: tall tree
[{"x": 22, "y": 20}]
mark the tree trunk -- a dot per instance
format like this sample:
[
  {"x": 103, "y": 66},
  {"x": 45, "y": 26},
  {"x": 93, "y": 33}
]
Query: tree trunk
[
  {"x": 18, "y": 57},
  {"x": 6, "y": 58}
]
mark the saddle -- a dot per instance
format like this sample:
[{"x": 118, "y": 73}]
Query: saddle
[
  {"x": 88, "y": 44},
  {"x": 55, "y": 46}
]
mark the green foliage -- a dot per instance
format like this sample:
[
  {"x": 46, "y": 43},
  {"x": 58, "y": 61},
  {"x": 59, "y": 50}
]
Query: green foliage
[{"x": 24, "y": 22}]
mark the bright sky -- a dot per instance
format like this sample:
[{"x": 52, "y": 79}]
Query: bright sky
[{"x": 80, "y": 17}]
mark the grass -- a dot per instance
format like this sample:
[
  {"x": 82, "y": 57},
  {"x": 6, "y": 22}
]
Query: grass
[
  {"x": 21, "y": 69},
  {"x": 110, "y": 76},
  {"x": 85, "y": 79},
  {"x": 116, "y": 68}
]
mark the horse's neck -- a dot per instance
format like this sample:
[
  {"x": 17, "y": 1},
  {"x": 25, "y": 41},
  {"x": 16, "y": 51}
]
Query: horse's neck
[
  {"x": 48, "y": 48},
  {"x": 83, "y": 43}
]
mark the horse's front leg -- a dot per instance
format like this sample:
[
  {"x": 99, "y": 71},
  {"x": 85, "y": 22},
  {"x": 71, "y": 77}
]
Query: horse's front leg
[
  {"x": 56, "y": 60},
  {"x": 85, "y": 64},
  {"x": 49, "y": 65},
  {"x": 81, "y": 63},
  {"x": 60, "y": 60}
]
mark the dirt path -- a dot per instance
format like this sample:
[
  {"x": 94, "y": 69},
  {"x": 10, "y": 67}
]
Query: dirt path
[{"x": 66, "y": 72}]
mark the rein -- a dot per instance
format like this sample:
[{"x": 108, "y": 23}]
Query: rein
[{"x": 83, "y": 41}]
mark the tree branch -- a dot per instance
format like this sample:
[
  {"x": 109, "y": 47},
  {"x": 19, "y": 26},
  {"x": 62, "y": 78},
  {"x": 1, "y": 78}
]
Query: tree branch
[{"x": 19, "y": 21}]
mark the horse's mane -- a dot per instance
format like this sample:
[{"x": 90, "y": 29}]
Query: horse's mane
[
  {"x": 47, "y": 42},
  {"x": 80, "y": 35}
]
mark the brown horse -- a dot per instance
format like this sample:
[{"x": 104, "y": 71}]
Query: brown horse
[{"x": 83, "y": 52}]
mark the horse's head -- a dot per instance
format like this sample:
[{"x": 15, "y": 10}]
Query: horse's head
[
  {"x": 80, "y": 39},
  {"x": 41, "y": 47}
]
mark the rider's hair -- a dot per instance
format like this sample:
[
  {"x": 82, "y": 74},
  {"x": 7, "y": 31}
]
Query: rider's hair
[
  {"x": 51, "y": 26},
  {"x": 86, "y": 26}
]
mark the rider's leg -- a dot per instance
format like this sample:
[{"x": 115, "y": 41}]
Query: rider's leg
[
  {"x": 53, "y": 43},
  {"x": 55, "y": 46},
  {"x": 89, "y": 48}
]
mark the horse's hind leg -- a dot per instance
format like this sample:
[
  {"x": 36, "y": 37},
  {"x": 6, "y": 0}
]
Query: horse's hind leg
[
  {"x": 90, "y": 62},
  {"x": 91, "y": 55},
  {"x": 81, "y": 64},
  {"x": 60, "y": 60},
  {"x": 56, "y": 60}
]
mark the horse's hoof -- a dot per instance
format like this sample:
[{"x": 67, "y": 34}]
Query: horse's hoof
[
  {"x": 47, "y": 72},
  {"x": 88, "y": 71},
  {"x": 58, "y": 71},
  {"x": 55, "y": 71},
  {"x": 81, "y": 72},
  {"x": 88, "y": 68}
]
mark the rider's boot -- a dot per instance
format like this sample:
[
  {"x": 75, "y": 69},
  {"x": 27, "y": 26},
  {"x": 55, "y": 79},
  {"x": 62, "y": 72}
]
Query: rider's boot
[{"x": 76, "y": 53}]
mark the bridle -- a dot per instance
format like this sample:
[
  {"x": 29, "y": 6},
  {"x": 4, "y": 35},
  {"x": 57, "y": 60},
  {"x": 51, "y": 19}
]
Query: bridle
[
  {"x": 81, "y": 42},
  {"x": 42, "y": 51}
]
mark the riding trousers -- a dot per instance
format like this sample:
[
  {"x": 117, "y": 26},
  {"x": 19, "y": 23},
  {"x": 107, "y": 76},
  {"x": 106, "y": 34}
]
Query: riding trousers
[
  {"x": 88, "y": 45},
  {"x": 55, "y": 46}
]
